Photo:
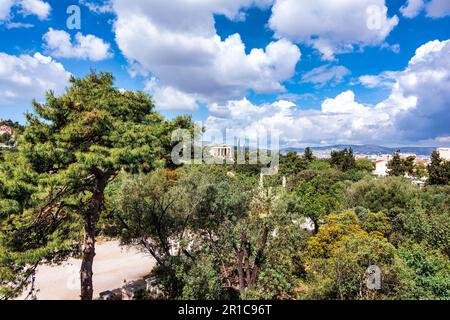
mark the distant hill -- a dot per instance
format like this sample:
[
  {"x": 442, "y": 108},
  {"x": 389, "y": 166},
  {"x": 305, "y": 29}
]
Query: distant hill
[{"x": 368, "y": 149}]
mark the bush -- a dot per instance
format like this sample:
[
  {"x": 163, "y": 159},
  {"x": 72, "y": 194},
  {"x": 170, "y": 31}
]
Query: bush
[
  {"x": 382, "y": 194},
  {"x": 430, "y": 272},
  {"x": 343, "y": 275}
]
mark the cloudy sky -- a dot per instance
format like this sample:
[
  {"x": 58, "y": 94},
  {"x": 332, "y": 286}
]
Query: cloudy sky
[{"x": 315, "y": 72}]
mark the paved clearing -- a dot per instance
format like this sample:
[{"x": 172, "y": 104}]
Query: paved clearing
[{"x": 112, "y": 265}]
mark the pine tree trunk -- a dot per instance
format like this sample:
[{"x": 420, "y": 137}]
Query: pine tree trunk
[
  {"x": 91, "y": 216},
  {"x": 240, "y": 268},
  {"x": 86, "y": 273}
]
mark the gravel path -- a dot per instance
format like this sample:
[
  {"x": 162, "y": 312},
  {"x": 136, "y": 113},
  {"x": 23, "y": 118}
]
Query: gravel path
[{"x": 112, "y": 266}]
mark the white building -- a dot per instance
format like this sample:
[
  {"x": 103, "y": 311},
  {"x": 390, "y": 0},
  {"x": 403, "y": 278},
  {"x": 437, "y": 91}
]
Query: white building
[
  {"x": 382, "y": 162},
  {"x": 220, "y": 151},
  {"x": 4, "y": 129},
  {"x": 444, "y": 153},
  {"x": 381, "y": 166}
]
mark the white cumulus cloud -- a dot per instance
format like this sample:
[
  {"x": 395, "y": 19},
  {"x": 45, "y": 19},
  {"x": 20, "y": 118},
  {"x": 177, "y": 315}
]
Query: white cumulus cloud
[
  {"x": 177, "y": 43},
  {"x": 438, "y": 8},
  {"x": 169, "y": 98},
  {"x": 433, "y": 8},
  {"x": 412, "y": 8},
  {"x": 416, "y": 111},
  {"x": 88, "y": 47},
  {"x": 340, "y": 120},
  {"x": 332, "y": 27},
  {"x": 25, "y": 77},
  {"x": 5, "y": 8},
  {"x": 99, "y": 7},
  {"x": 39, "y": 8},
  {"x": 35, "y": 7},
  {"x": 421, "y": 94}
]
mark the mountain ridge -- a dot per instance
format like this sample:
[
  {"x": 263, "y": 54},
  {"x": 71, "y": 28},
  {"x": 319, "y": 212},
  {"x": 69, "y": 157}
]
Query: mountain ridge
[{"x": 368, "y": 149}]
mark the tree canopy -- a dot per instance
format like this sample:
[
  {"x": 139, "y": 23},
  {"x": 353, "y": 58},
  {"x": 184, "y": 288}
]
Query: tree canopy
[{"x": 73, "y": 146}]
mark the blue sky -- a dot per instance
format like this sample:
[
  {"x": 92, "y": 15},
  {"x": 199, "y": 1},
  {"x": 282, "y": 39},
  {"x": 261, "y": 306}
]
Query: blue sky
[{"x": 316, "y": 73}]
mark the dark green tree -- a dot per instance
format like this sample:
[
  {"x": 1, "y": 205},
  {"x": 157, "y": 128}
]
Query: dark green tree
[
  {"x": 410, "y": 165},
  {"x": 317, "y": 196},
  {"x": 429, "y": 270},
  {"x": 79, "y": 142},
  {"x": 203, "y": 202},
  {"x": 365, "y": 165},
  {"x": 396, "y": 166},
  {"x": 381, "y": 194},
  {"x": 308, "y": 154},
  {"x": 438, "y": 170},
  {"x": 291, "y": 164},
  {"x": 344, "y": 160}
]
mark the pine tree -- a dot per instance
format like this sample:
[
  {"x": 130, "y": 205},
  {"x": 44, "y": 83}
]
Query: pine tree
[
  {"x": 396, "y": 166},
  {"x": 344, "y": 159},
  {"x": 77, "y": 143},
  {"x": 308, "y": 154},
  {"x": 349, "y": 160},
  {"x": 438, "y": 170},
  {"x": 410, "y": 165}
]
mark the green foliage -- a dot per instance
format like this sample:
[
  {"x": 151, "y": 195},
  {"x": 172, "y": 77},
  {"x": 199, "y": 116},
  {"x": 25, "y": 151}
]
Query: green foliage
[
  {"x": 412, "y": 213},
  {"x": 319, "y": 165},
  {"x": 396, "y": 166},
  {"x": 339, "y": 255},
  {"x": 93, "y": 127},
  {"x": 73, "y": 146},
  {"x": 344, "y": 160},
  {"x": 204, "y": 282},
  {"x": 420, "y": 171},
  {"x": 382, "y": 194},
  {"x": 424, "y": 227},
  {"x": 4, "y": 138},
  {"x": 365, "y": 165},
  {"x": 292, "y": 164},
  {"x": 329, "y": 237},
  {"x": 343, "y": 275},
  {"x": 24, "y": 240},
  {"x": 164, "y": 215},
  {"x": 438, "y": 170},
  {"x": 95, "y": 157},
  {"x": 283, "y": 270},
  {"x": 399, "y": 167},
  {"x": 231, "y": 217},
  {"x": 378, "y": 222},
  {"x": 317, "y": 194},
  {"x": 165, "y": 137},
  {"x": 308, "y": 154},
  {"x": 146, "y": 207},
  {"x": 409, "y": 165},
  {"x": 430, "y": 272},
  {"x": 355, "y": 175}
]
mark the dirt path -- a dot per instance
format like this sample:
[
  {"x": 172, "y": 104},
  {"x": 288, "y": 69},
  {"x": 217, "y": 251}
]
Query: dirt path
[{"x": 112, "y": 265}]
